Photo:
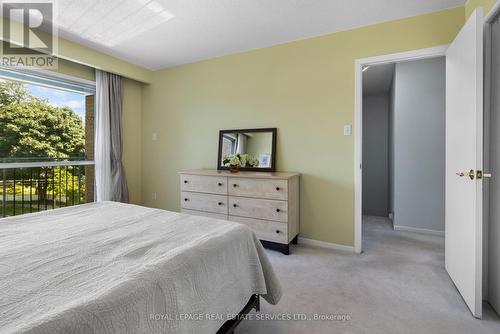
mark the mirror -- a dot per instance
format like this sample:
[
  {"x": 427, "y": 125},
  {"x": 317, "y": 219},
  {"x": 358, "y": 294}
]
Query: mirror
[{"x": 253, "y": 149}]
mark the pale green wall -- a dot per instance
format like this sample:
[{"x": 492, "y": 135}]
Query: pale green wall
[
  {"x": 304, "y": 88},
  {"x": 76, "y": 70},
  {"x": 473, "y": 4},
  {"x": 132, "y": 136}
]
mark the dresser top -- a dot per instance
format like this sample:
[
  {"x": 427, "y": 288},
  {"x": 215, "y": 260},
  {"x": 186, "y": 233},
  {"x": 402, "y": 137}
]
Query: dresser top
[{"x": 255, "y": 175}]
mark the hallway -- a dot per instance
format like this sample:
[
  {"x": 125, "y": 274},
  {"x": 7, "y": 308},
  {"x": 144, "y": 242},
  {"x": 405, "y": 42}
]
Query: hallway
[{"x": 398, "y": 285}]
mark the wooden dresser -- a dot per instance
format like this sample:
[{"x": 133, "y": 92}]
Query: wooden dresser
[{"x": 266, "y": 202}]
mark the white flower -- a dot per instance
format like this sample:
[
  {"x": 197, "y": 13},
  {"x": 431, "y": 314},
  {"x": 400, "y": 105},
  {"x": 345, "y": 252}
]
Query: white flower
[
  {"x": 235, "y": 161},
  {"x": 254, "y": 162},
  {"x": 244, "y": 158}
]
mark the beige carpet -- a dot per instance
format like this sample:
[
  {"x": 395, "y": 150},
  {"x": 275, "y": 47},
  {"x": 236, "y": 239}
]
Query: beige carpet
[{"x": 398, "y": 285}]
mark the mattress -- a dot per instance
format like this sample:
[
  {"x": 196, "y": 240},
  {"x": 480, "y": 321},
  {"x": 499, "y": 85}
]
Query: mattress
[{"x": 117, "y": 268}]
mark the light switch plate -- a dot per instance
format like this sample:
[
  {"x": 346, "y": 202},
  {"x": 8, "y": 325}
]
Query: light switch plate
[
  {"x": 154, "y": 136},
  {"x": 347, "y": 130}
]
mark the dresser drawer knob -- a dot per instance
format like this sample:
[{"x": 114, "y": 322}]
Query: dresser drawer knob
[
  {"x": 219, "y": 204},
  {"x": 219, "y": 184},
  {"x": 235, "y": 205},
  {"x": 235, "y": 185},
  {"x": 278, "y": 210},
  {"x": 186, "y": 199},
  {"x": 185, "y": 181},
  {"x": 277, "y": 188},
  {"x": 278, "y": 231}
]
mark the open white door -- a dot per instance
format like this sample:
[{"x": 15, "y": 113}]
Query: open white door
[{"x": 464, "y": 161}]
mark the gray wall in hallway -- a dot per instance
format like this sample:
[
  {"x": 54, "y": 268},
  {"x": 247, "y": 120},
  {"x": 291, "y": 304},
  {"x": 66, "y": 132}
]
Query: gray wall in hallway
[
  {"x": 391, "y": 145},
  {"x": 417, "y": 144},
  {"x": 375, "y": 155}
]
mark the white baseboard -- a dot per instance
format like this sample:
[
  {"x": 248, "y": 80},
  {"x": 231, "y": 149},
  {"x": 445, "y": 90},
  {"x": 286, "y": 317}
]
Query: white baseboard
[
  {"x": 323, "y": 244},
  {"x": 418, "y": 230}
]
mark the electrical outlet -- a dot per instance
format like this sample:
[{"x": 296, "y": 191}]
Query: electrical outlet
[
  {"x": 154, "y": 136},
  {"x": 154, "y": 196},
  {"x": 347, "y": 130}
]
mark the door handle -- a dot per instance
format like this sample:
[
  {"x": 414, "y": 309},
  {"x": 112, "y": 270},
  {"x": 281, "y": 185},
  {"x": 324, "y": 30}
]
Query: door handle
[
  {"x": 479, "y": 174},
  {"x": 470, "y": 174}
]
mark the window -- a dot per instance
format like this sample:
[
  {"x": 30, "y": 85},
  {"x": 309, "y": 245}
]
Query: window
[
  {"x": 46, "y": 141},
  {"x": 229, "y": 144}
]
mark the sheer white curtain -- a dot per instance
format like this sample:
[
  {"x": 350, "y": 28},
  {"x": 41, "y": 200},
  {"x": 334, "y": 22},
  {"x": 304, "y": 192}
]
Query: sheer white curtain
[
  {"x": 242, "y": 143},
  {"x": 111, "y": 184},
  {"x": 102, "y": 139}
]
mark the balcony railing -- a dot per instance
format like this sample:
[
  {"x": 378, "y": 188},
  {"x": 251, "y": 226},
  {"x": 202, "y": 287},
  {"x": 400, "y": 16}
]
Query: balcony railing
[{"x": 28, "y": 187}]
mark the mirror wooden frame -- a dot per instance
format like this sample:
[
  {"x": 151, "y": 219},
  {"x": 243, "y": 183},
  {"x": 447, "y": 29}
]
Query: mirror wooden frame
[{"x": 273, "y": 132}]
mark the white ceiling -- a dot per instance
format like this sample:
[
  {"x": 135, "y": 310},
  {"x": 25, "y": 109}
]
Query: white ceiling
[
  {"x": 164, "y": 33},
  {"x": 377, "y": 79}
]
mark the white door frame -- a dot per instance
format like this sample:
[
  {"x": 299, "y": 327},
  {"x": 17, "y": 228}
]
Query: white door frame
[
  {"x": 438, "y": 51},
  {"x": 493, "y": 13}
]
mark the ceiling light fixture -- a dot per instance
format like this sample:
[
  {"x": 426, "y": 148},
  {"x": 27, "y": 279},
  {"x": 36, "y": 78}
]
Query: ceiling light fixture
[
  {"x": 155, "y": 7},
  {"x": 167, "y": 15}
]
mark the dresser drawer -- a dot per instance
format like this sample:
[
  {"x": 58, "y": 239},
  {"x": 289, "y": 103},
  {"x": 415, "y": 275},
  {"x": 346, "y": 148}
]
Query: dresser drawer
[
  {"x": 205, "y": 214},
  {"x": 204, "y": 202},
  {"x": 258, "y": 208},
  {"x": 258, "y": 188},
  {"x": 264, "y": 229},
  {"x": 204, "y": 184}
]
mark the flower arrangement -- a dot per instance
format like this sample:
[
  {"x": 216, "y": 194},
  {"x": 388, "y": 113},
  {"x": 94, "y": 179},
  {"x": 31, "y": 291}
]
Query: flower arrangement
[{"x": 235, "y": 161}]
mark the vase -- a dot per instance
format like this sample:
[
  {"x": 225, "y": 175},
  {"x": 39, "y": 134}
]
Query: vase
[{"x": 234, "y": 168}]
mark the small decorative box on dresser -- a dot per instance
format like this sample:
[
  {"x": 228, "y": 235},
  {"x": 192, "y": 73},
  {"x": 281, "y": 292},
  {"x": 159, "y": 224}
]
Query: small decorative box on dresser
[{"x": 266, "y": 202}]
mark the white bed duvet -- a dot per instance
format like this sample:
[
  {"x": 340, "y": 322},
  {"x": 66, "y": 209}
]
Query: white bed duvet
[{"x": 116, "y": 268}]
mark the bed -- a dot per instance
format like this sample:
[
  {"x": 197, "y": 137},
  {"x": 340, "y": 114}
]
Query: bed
[{"x": 117, "y": 268}]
